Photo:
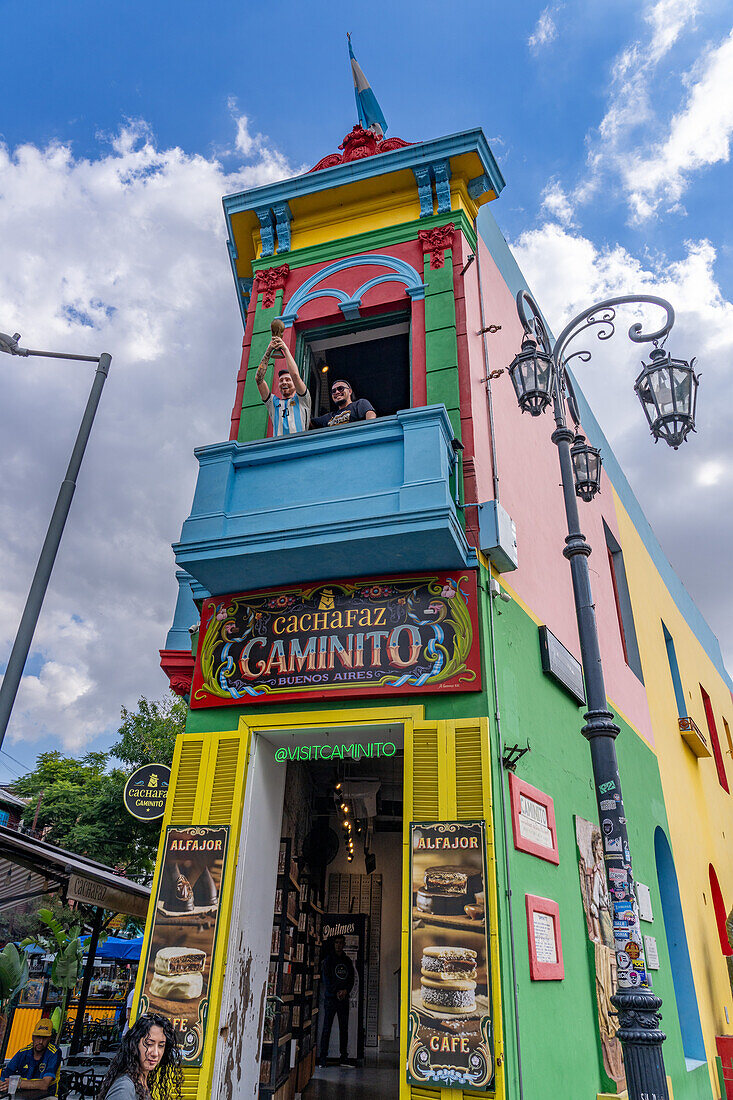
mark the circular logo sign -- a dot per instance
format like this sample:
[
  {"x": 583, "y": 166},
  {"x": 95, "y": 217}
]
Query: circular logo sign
[{"x": 146, "y": 790}]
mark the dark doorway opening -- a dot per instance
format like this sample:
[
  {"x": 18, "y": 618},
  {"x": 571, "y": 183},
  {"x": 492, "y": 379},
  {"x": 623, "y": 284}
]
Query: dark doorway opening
[{"x": 375, "y": 363}]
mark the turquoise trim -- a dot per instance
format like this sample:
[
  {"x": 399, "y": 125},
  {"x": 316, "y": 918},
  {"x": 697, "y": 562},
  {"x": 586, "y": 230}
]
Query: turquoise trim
[
  {"x": 424, "y": 153},
  {"x": 441, "y": 175},
  {"x": 397, "y": 271},
  {"x": 283, "y": 217},
  {"x": 424, "y": 189},
  {"x": 267, "y": 230},
  {"x": 674, "y": 671},
  {"x": 515, "y": 281}
]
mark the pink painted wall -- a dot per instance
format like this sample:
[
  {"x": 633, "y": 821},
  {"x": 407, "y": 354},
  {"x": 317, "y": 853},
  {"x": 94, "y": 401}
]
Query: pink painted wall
[{"x": 530, "y": 491}]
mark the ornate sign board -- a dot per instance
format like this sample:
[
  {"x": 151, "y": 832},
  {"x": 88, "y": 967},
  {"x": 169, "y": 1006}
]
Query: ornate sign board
[
  {"x": 182, "y": 943},
  {"x": 145, "y": 791},
  {"x": 450, "y": 1032},
  {"x": 90, "y": 892},
  {"x": 338, "y": 639},
  {"x": 533, "y": 820},
  {"x": 543, "y": 936}
]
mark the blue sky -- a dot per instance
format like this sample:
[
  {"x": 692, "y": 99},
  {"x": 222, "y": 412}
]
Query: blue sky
[{"x": 121, "y": 127}]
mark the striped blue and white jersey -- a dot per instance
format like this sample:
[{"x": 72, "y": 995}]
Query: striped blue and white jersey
[{"x": 291, "y": 416}]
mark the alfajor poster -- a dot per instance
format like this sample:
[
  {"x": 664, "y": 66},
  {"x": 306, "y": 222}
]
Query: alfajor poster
[
  {"x": 450, "y": 1034},
  {"x": 183, "y": 939}
]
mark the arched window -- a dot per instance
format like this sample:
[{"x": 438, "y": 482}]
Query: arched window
[
  {"x": 720, "y": 912},
  {"x": 679, "y": 956}
]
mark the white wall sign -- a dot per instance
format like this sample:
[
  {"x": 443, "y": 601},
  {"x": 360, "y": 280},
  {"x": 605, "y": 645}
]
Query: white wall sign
[
  {"x": 544, "y": 938},
  {"x": 644, "y": 899},
  {"x": 652, "y": 955},
  {"x": 533, "y": 822}
]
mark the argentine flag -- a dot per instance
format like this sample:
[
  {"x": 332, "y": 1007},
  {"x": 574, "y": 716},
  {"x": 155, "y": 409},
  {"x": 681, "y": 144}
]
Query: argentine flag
[{"x": 370, "y": 113}]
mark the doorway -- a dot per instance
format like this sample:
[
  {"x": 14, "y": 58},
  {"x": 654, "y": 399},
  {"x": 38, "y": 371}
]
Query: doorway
[
  {"x": 336, "y": 918},
  {"x": 375, "y": 361}
]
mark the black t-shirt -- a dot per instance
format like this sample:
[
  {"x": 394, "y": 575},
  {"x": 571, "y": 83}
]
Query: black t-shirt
[{"x": 355, "y": 410}]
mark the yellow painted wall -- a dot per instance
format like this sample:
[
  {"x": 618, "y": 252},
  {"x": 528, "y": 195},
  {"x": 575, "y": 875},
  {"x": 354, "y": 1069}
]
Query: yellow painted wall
[
  {"x": 446, "y": 775},
  {"x": 699, "y": 811}
]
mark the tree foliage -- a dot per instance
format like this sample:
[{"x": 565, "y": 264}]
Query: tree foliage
[{"x": 81, "y": 805}]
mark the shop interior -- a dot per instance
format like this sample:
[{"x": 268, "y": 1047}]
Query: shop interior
[{"x": 339, "y": 872}]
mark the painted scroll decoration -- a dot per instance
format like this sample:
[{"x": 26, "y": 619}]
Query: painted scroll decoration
[{"x": 375, "y": 636}]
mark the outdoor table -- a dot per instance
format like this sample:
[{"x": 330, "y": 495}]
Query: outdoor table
[{"x": 30, "y": 1094}]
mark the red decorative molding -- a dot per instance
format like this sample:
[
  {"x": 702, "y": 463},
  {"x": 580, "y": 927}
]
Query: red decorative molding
[
  {"x": 531, "y": 833},
  {"x": 435, "y": 242},
  {"x": 269, "y": 281},
  {"x": 178, "y": 664},
  {"x": 542, "y": 966},
  {"x": 358, "y": 144}
]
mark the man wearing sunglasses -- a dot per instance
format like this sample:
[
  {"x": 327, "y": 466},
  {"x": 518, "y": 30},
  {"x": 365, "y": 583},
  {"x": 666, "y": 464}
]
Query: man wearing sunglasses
[
  {"x": 347, "y": 408},
  {"x": 290, "y": 412}
]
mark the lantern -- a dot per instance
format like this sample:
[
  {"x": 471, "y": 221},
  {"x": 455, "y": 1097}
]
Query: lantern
[
  {"x": 667, "y": 389},
  {"x": 586, "y": 468},
  {"x": 532, "y": 375}
]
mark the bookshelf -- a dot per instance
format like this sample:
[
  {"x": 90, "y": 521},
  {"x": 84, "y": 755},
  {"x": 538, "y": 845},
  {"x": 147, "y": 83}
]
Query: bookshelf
[{"x": 290, "y": 1033}]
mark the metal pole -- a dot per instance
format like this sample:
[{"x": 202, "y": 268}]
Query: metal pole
[
  {"x": 638, "y": 1008},
  {"x": 78, "y": 1034},
  {"x": 39, "y": 584}
]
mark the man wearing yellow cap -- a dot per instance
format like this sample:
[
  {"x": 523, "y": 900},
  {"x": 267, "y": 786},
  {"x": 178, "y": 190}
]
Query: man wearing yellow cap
[{"x": 37, "y": 1064}]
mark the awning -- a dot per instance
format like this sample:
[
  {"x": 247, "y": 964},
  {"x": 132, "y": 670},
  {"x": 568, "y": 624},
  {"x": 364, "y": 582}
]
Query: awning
[
  {"x": 49, "y": 869},
  {"x": 114, "y": 947}
]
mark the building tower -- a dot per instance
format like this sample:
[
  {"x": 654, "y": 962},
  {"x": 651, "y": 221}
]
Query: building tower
[{"x": 385, "y": 712}]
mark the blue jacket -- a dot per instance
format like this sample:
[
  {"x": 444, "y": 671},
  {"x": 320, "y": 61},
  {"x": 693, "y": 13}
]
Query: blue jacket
[{"x": 25, "y": 1065}]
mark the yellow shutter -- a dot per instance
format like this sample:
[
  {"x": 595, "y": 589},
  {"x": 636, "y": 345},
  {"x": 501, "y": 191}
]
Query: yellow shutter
[
  {"x": 207, "y": 788},
  {"x": 448, "y": 777}
]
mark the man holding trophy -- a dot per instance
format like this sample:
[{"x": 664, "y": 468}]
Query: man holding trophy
[{"x": 290, "y": 412}]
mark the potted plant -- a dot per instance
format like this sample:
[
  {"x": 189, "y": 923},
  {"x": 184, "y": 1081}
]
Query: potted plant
[
  {"x": 67, "y": 949},
  {"x": 13, "y": 976}
]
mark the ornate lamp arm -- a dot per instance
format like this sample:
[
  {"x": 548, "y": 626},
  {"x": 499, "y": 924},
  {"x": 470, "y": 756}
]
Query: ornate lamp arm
[{"x": 603, "y": 314}]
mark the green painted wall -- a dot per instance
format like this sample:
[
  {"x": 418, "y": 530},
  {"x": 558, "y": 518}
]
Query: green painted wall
[
  {"x": 441, "y": 344},
  {"x": 253, "y": 424},
  {"x": 558, "y": 1020}
]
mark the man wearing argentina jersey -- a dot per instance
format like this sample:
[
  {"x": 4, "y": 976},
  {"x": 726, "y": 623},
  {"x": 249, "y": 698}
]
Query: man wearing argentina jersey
[{"x": 290, "y": 412}]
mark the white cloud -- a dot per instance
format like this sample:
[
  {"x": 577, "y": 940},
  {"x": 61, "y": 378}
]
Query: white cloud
[
  {"x": 124, "y": 253},
  {"x": 545, "y": 31},
  {"x": 557, "y": 203},
  {"x": 699, "y": 135},
  {"x": 693, "y": 111},
  {"x": 568, "y": 272}
]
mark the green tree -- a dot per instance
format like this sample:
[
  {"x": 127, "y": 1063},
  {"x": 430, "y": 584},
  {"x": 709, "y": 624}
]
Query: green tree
[{"x": 81, "y": 806}]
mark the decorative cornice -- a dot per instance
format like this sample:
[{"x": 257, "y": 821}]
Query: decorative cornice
[
  {"x": 411, "y": 156},
  {"x": 178, "y": 664},
  {"x": 377, "y": 239},
  {"x": 269, "y": 281},
  {"x": 357, "y": 144},
  {"x": 435, "y": 241}
]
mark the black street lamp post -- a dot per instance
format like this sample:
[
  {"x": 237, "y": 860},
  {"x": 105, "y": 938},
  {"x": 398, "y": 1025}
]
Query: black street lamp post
[
  {"x": 47, "y": 557},
  {"x": 667, "y": 389}
]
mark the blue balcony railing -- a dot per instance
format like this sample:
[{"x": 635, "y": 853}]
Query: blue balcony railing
[{"x": 359, "y": 500}]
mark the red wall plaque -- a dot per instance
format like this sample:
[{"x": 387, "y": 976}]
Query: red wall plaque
[
  {"x": 385, "y": 636},
  {"x": 533, "y": 820},
  {"x": 545, "y": 942}
]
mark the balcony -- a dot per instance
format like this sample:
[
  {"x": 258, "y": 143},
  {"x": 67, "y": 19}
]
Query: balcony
[{"x": 363, "y": 499}]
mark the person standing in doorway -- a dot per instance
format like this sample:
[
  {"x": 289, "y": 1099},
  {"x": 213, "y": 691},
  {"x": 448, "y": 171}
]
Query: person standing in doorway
[
  {"x": 290, "y": 412},
  {"x": 349, "y": 409},
  {"x": 337, "y": 975}
]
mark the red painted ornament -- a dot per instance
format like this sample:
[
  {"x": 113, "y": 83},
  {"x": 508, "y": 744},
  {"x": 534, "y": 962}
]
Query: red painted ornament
[{"x": 360, "y": 143}]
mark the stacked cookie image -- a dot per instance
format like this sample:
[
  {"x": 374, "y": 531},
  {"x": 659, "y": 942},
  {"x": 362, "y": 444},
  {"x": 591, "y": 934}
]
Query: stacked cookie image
[
  {"x": 447, "y": 890},
  {"x": 448, "y": 980},
  {"x": 178, "y": 974}
]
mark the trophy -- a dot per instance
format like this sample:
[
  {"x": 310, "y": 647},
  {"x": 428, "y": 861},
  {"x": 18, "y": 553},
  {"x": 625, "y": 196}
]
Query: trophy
[{"x": 277, "y": 328}]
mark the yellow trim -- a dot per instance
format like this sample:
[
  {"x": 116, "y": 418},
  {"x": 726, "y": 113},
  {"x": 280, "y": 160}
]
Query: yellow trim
[{"x": 197, "y": 1080}]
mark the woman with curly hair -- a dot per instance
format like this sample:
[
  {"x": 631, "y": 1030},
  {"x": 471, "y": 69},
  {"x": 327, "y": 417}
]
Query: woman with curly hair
[{"x": 148, "y": 1058}]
